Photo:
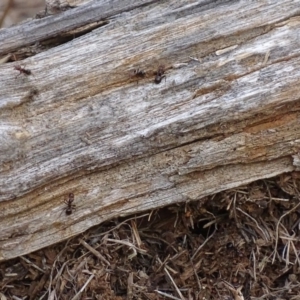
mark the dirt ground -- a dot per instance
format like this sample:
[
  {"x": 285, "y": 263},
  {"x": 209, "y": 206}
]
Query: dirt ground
[{"x": 238, "y": 244}]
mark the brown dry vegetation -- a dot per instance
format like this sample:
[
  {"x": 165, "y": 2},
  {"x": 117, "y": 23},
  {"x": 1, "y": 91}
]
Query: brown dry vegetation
[{"x": 239, "y": 244}]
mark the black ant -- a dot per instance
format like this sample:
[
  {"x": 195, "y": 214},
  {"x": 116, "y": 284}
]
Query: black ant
[
  {"x": 22, "y": 70},
  {"x": 159, "y": 74},
  {"x": 70, "y": 206}
]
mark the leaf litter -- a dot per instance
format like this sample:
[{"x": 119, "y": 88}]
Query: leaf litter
[{"x": 239, "y": 244}]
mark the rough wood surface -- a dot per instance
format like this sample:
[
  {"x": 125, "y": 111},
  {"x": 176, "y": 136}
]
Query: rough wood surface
[{"x": 226, "y": 114}]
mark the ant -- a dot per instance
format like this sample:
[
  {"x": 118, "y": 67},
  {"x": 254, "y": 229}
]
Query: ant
[
  {"x": 22, "y": 70},
  {"x": 139, "y": 73},
  {"x": 159, "y": 74},
  {"x": 70, "y": 206}
]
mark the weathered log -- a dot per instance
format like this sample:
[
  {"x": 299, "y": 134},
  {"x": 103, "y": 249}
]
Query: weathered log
[{"x": 88, "y": 121}]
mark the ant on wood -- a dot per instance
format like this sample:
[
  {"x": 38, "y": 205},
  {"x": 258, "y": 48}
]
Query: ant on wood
[
  {"x": 22, "y": 70},
  {"x": 159, "y": 74},
  {"x": 69, "y": 208}
]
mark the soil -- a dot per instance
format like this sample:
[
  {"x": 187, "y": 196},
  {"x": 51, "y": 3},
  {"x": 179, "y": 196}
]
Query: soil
[{"x": 238, "y": 244}]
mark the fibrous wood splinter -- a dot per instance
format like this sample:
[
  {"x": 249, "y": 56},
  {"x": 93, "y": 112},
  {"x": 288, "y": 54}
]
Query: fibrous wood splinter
[{"x": 139, "y": 73}]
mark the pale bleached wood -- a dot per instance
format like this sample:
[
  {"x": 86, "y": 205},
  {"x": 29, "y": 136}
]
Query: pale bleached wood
[
  {"x": 51, "y": 26},
  {"x": 227, "y": 114}
]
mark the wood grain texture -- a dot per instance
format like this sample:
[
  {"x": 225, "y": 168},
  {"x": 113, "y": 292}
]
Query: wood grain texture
[
  {"x": 226, "y": 114},
  {"x": 41, "y": 29}
]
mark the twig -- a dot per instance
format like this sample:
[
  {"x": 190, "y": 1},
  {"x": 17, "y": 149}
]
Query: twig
[
  {"x": 264, "y": 235},
  {"x": 119, "y": 225},
  {"x": 95, "y": 252},
  {"x": 150, "y": 215},
  {"x": 136, "y": 233},
  {"x": 129, "y": 286},
  {"x": 296, "y": 253},
  {"x": 277, "y": 229},
  {"x": 32, "y": 264},
  {"x": 254, "y": 265},
  {"x": 168, "y": 267},
  {"x": 160, "y": 239},
  {"x": 130, "y": 245},
  {"x": 196, "y": 275},
  {"x": 203, "y": 244},
  {"x": 53, "y": 266},
  {"x": 167, "y": 295},
  {"x": 82, "y": 289},
  {"x": 162, "y": 264},
  {"x": 235, "y": 291},
  {"x": 16, "y": 298},
  {"x": 290, "y": 240},
  {"x": 174, "y": 284},
  {"x": 177, "y": 255}
]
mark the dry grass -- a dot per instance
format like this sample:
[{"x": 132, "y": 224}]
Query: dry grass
[{"x": 239, "y": 244}]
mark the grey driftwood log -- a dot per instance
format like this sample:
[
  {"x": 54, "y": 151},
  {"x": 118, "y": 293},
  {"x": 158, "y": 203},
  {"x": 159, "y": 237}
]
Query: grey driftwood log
[{"x": 227, "y": 112}]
